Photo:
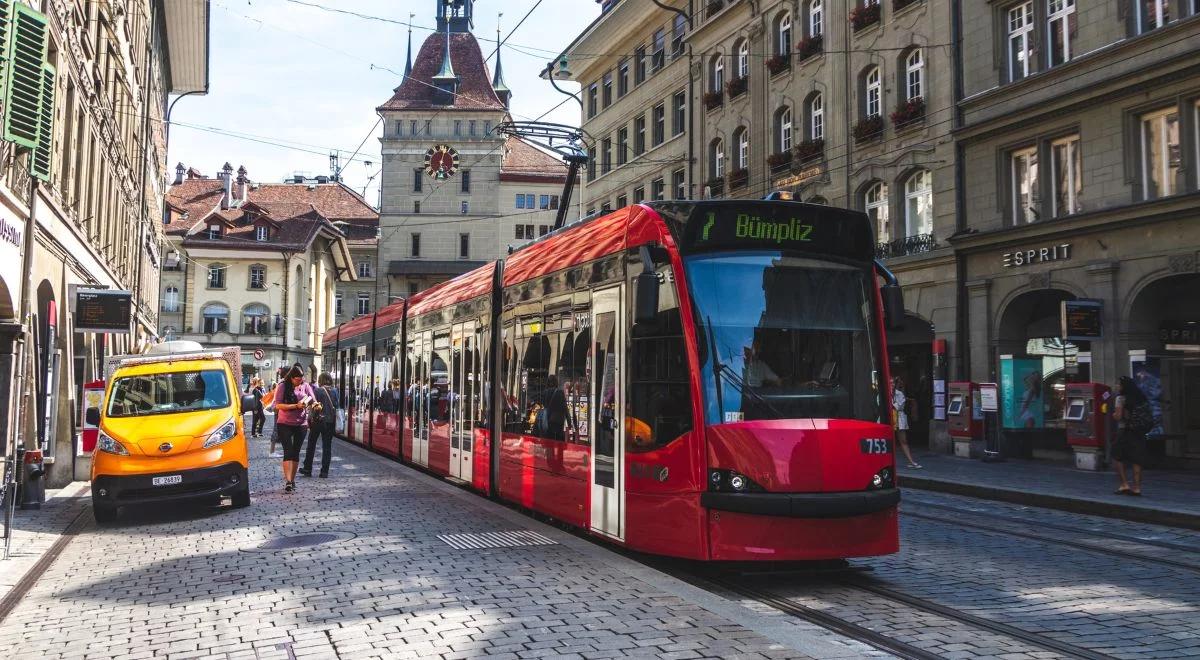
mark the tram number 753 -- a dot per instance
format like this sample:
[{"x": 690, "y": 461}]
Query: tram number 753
[{"x": 875, "y": 446}]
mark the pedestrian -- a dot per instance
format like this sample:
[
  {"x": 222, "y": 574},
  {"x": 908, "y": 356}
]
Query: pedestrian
[
  {"x": 257, "y": 391},
  {"x": 321, "y": 422},
  {"x": 292, "y": 399},
  {"x": 900, "y": 419},
  {"x": 554, "y": 403},
  {"x": 268, "y": 401},
  {"x": 1135, "y": 419}
]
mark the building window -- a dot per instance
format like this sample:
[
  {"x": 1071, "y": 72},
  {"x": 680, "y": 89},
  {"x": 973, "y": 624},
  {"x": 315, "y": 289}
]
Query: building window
[
  {"x": 258, "y": 277},
  {"x": 1060, "y": 28},
  {"x": 622, "y": 145},
  {"x": 216, "y": 276},
  {"x": 605, "y": 156},
  {"x": 816, "y": 118},
  {"x": 338, "y": 307},
  {"x": 660, "y": 123},
  {"x": 464, "y": 246},
  {"x": 591, "y": 173},
  {"x": 465, "y": 207},
  {"x": 876, "y": 206},
  {"x": 399, "y": 128},
  {"x": 216, "y": 318},
  {"x": 678, "y": 29},
  {"x": 743, "y": 58},
  {"x": 716, "y": 74},
  {"x": 520, "y": 232},
  {"x": 658, "y": 53},
  {"x": 716, "y": 159},
  {"x": 679, "y": 113},
  {"x": 487, "y": 127},
  {"x": 622, "y": 78},
  {"x": 256, "y": 319},
  {"x": 606, "y": 90},
  {"x": 918, "y": 203},
  {"x": 418, "y": 179},
  {"x": 364, "y": 303},
  {"x": 639, "y": 64},
  {"x": 520, "y": 200},
  {"x": 543, "y": 229},
  {"x": 679, "y": 184},
  {"x": 1025, "y": 185},
  {"x": 1161, "y": 155},
  {"x": 458, "y": 127},
  {"x": 1153, "y": 14},
  {"x": 170, "y": 300},
  {"x": 412, "y": 128},
  {"x": 622, "y": 201},
  {"x": 416, "y": 206},
  {"x": 262, "y": 233},
  {"x": 544, "y": 202},
  {"x": 428, "y": 127},
  {"x": 783, "y": 42},
  {"x": 784, "y": 141},
  {"x": 742, "y": 159},
  {"x": 816, "y": 11},
  {"x": 914, "y": 75},
  {"x": 415, "y": 247},
  {"x": 874, "y": 93},
  {"x": 606, "y": 207},
  {"x": 471, "y": 128},
  {"x": 213, "y": 232},
  {"x": 364, "y": 269},
  {"x": 466, "y": 181},
  {"x": 658, "y": 189},
  {"x": 639, "y": 135},
  {"x": 554, "y": 202},
  {"x": 1066, "y": 177},
  {"x": 1020, "y": 40},
  {"x": 592, "y": 100},
  {"x": 414, "y": 288}
]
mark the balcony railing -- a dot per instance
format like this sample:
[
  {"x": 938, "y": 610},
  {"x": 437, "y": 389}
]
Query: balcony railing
[{"x": 908, "y": 245}]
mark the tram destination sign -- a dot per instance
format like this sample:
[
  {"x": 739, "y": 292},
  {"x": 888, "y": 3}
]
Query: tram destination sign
[
  {"x": 1081, "y": 320},
  {"x": 776, "y": 226},
  {"x": 103, "y": 310}
]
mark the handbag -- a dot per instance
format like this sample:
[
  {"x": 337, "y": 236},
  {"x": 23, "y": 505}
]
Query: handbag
[{"x": 1141, "y": 419}]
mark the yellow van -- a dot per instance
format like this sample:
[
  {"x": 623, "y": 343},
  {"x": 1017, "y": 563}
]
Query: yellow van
[{"x": 170, "y": 429}]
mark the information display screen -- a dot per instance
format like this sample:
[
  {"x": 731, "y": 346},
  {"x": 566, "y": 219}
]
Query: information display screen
[
  {"x": 102, "y": 310},
  {"x": 1081, "y": 320},
  {"x": 1075, "y": 411}
]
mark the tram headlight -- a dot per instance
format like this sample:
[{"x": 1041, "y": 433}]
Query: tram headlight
[
  {"x": 877, "y": 481},
  {"x": 882, "y": 479},
  {"x": 728, "y": 481},
  {"x": 737, "y": 482}
]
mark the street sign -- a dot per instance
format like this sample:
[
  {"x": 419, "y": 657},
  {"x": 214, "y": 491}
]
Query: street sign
[
  {"x": 989, "y": 401},
  {"x": 259, "y": 354}
]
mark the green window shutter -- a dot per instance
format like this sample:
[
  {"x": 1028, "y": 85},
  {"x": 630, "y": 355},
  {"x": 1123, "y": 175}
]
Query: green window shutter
[
  {"x": 24, "y": 80},
  {"x": 45, "y": 144},
  {"x": 5, "y": 21}
]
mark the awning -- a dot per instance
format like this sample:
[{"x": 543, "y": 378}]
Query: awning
[
  {"x": 187, "y": 44},
  {"x": 423, "y": 267}
]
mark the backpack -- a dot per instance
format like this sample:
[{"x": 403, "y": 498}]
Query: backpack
[{"x": 1140, "y": 419}]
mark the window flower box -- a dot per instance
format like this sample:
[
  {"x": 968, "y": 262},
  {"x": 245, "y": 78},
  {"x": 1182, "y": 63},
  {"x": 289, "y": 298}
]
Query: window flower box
[
  {"x": 713, "y": 100},
  {"x": 779, "y": 161},
  {"x": 868, "y": 128},
  {"x": 908, "y": 112},
  {"x": 739, "y": 178},
  {"x": 778, "y": 64},
  {"x": 864, "y": 17},
  {"x": 737, "y": 86},
  {"x": 810, "y": 150},
  {"x": 810, "y": 47}
]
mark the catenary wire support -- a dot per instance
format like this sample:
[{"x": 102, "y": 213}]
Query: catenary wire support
[{"x": 566, "y": 141}]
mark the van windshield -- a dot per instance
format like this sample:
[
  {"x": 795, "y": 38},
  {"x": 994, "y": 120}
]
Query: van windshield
[{"x": 158, "y": 394}]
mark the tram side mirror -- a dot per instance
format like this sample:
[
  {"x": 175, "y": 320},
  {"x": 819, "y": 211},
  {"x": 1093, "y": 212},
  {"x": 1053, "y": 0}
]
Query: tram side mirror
[
  {"x": 92, "y": 416},
  {"x": 646, "y": 312},
  {"x": 893, "y": 305}
]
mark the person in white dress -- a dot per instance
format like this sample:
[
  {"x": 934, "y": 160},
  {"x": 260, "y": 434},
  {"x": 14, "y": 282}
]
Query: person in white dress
[{"x": 900, "y": 419}]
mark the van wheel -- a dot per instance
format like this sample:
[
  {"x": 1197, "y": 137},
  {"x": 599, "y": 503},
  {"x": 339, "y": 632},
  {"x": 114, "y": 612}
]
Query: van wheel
[
  {"x": 241, "y": 498},
  {"x": 104, "y": 513}
]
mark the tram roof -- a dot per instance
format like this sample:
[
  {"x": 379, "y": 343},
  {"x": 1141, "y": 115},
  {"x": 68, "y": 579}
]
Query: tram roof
[{"x": 469, "y": 285}]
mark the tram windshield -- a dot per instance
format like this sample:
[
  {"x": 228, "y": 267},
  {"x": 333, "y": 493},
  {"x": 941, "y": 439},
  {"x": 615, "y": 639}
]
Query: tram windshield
[{"x": 785, "y": 337}]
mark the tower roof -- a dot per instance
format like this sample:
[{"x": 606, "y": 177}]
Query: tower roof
[{"x": 475, "y": 91}]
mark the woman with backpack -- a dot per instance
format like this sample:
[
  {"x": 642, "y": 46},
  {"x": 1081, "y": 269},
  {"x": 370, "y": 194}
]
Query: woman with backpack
[
  {"x": 322, "y": 419},
  {"x": 1134, "y": 419}
]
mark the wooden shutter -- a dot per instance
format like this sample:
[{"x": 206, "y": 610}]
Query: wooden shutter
[
  {"x": 25, "y": 77},
  {"x": 44, "y": 150}
]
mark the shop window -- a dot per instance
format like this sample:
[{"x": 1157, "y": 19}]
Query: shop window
[
  {"x": 1162, "y": 159},
  {"x": 1066, "y": 177},
  {"x": 1060, "y": 31},
  {"x": 1025, "y": 185},
  {"x": 1020, "y": 40}
]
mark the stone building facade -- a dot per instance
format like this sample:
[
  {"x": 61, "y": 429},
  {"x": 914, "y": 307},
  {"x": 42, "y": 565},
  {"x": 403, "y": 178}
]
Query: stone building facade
[
  {"x": 260, "y": 265},
  {"x": 1080, "y": 151},
  {"x": 450, "y": 181},
  {"x": 109, "y": 67}
]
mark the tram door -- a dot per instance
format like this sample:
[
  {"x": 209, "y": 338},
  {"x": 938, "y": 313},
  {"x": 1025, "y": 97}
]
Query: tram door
[
  {"x": 423, "y": 396},
  {"x": 608, "y": 437},
  {"x": 462, "y": 394}
]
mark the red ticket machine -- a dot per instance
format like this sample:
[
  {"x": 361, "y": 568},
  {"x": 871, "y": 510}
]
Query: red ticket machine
[
  {"x": 93, "y": 397},
  {"x": 1086, "y": 417},
  {"x": 963, "y": 411}
]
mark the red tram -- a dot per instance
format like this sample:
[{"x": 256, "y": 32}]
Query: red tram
[{"x": 697, "y": 379}]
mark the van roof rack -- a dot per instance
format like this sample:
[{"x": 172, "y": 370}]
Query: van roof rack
[{"x": 230, "y": 354}]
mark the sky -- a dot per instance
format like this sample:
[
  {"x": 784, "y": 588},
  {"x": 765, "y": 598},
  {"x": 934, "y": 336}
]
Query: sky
[{"x": 296, "y": 82}]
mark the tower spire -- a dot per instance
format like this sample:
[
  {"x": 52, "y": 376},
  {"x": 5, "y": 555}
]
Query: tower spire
[
  {"x": 502, "y": 90},
  {"x": 446, "y": 81},
  {"x": 408, "y": 64}
]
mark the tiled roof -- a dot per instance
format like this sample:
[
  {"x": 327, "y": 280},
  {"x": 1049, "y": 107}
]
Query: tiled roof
[
  {"x": 295, "y": 232},
  {"x": 475, "y": 86},
  {"x": 524, "y": 162}
]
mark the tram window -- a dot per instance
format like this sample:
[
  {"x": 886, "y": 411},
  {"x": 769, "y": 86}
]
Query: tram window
[{"x": 659, "y": 405}]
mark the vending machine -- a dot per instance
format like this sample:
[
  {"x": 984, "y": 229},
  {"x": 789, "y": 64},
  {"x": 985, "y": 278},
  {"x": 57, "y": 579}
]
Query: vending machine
[{"x": 1087, "y": 421}]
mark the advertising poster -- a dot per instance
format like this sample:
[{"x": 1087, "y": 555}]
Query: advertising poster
[
  {"x": 1146, "y": 371},
  {"x": 1021, "y": 393}
]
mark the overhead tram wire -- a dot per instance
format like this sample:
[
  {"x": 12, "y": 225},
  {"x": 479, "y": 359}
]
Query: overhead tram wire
[{"x": 500, "y": 42}]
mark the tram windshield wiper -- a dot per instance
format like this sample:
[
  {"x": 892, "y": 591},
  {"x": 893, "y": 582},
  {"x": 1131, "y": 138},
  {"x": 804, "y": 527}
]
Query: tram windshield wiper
[{"x": 722, "y": 370}]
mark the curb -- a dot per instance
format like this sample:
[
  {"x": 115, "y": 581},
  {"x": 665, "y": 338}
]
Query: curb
[{"x": 1048, "y": 501}]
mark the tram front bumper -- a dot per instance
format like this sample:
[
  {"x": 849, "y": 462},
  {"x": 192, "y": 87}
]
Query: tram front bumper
[{"x": 804, "y": 505}]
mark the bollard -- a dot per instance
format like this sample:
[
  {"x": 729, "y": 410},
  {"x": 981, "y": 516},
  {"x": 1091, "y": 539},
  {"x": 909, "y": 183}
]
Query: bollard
[{"x": 33, "y": 486}]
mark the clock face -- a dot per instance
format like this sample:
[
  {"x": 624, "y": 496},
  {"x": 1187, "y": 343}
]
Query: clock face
[{"x": 441, "y": 162}]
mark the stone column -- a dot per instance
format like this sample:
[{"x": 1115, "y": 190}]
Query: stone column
[
  {"x": 979, "y": 330},
  {"x": 1102, "y": 286}
]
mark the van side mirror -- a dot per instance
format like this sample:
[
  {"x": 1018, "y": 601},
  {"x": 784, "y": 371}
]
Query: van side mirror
[
  {"x": 248, "y": 402},
  {"x": 92, "y": 416},
  {"x": 893, "y": 306}
]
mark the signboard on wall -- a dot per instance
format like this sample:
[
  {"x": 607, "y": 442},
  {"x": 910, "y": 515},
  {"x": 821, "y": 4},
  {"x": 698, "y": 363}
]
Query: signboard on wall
[
  {"x": 1081, "y": 320},
  {"x": 102, "y": 310}
]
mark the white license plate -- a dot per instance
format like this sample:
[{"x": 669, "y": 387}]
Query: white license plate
[{"x": 167, "y": 481}]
